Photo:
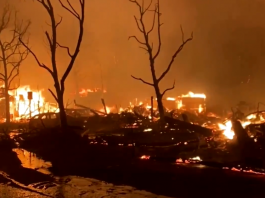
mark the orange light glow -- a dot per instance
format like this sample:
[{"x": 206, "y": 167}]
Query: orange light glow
[
  {"x": 83, "y": 92},
  {"x": 193, "y": 95},
  {"x": 23, "y": 107}
]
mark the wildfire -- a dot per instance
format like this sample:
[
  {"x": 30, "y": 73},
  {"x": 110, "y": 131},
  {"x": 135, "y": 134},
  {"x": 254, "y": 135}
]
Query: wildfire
[
  {"x": 200, "y": 108},
  {"x": 171, "y": 99},
  {"x": 108, "y": 109},
  {"x": 24, "y": 105},
  {"x": 193, "y": 95},
  {"x": 227, "y": 128},
  {"x": 84, "y": 92}
]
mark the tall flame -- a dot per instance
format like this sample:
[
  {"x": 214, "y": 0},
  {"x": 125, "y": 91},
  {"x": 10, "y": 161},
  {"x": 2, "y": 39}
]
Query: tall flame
[{"x": 22, "y": 106}]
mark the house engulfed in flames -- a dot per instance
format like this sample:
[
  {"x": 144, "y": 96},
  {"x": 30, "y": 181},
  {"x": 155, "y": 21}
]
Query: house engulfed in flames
[
  {"x": 190, "y": 102},
  {"x": 25, "y": 103}
]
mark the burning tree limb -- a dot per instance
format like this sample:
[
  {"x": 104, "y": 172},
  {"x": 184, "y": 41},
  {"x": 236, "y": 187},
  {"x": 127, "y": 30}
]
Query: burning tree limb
[
  {"x": 147, "y": 45},
  {"x": 12, "y": 51},
  {"x": 54, "y": 44}
]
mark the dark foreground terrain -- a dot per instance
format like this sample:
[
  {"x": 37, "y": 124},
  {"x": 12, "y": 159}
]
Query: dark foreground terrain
[{"x": 80, "y": 170}]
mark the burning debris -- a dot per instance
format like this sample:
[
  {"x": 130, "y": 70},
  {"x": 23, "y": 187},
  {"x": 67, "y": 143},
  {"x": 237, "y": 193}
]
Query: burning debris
[
  {"x": 85, "y": 92},
  {"x": 26, "y": 103}
]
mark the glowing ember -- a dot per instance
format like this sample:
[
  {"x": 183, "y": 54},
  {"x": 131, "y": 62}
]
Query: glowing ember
[{"x": 145, "y": 157}]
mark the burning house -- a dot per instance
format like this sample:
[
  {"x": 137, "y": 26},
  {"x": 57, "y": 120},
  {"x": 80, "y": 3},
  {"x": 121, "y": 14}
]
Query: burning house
[
  {"x": 93, "y": 98},
  {"x": 189, "y": 102},
  {"x": 192, "y": 102},
  {"x": 25, "y": 103}
]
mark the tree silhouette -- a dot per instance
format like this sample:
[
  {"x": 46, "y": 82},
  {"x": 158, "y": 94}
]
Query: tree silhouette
[
  {"x": 52, "y": 38},
  {"x": 147, "y": 45},
  {"x": 12, "y": 51}
]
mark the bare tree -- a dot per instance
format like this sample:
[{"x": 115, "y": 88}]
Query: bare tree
[
  {"x": 12, "y": 52},
  {"x": 52, "y": 38},
  {"x": 147, "y": 45}
]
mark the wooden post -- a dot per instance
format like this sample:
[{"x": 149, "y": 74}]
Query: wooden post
[
  {"x": 30, "y": 97},
  {"x": 29, "y": 108},
  {"x": 103, "y": 102},
  {"x": 152, "y": 108}
]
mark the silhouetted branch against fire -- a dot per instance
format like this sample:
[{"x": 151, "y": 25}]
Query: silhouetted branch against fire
[
  {"x": 53, "y": 38},
  {"x": 141, "y": 25},
  {"x": 140, "y": 79},
  {"x": 55, "y": 97},
  {"x": 12, "y": 51},
  {"x": 168, "y": 89},
  {"x": 184, "y": 42},
  {"x": 146, "y": 44}
]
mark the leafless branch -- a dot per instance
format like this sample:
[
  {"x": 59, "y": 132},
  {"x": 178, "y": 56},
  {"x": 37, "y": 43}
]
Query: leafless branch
[
  {"x": 53, "y": 95},
  {"x": 58, "y": 23},
  {"x": 168, "y": 89},
  {"x": 81, "y": 19},
  {"x": 159, "y": 24},
  {"x": 71, "y": 9},
  {"x": 184, "y": 42},
  {"x": 65, "y": 47},
  {"x": 140, "y": 79},
  {"x": 140, "y": 42},
  {"x": 13, "y": 77},
  {"x": 145, "y": 49},
  {"x": 36, "y": 58},
  {"x": 2, "y": 76},
  {"x": 12, "y": 50},
  {"x": 52, "y": 37}
]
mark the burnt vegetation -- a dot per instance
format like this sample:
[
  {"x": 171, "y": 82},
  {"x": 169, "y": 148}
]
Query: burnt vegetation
[
  {"x": 54, "y": 44},
  {"x": 13, "y": 32},
  {"x": 125, "y": 147},
  {"x": 147, "y": 45}
]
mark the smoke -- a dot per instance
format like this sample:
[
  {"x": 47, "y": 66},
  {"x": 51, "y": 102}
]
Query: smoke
[{"x": 227, "y": 49}]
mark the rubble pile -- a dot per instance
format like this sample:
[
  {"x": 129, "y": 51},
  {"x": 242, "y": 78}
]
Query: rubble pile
[{"x": 187, "y": 134}]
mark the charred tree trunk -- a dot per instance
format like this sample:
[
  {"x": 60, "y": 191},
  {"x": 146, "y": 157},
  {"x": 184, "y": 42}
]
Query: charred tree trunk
[
  {"x": 5, "y": 78},
  {"x": 160, "y": 107},
  {"x": 60, "y": 101},
  {"x": 7, "y": 104},
  {"x": 54, "y": 45},
  {"x": 159, "y": 101},
  {"x": 12, "y": 52},
  {"x": 63, "y": 118}
]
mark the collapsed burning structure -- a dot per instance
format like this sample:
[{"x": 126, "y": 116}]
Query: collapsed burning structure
[{"x": 25, "y": 103}]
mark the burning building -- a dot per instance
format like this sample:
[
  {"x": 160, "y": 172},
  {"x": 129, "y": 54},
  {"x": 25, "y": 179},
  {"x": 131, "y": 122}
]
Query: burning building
[
  {"x": 192, "y": 102},
  {"x": 92, "y": 97},
  {"x": 25, "y": 103},
  {"x": 189, "y": 102}
]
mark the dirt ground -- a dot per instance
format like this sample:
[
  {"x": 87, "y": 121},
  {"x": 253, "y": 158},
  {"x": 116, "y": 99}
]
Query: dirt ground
[
  {"x": 143, "y": 179},
  {"x": 81, "y": 171},
  {"x": 77, "y": 187}
]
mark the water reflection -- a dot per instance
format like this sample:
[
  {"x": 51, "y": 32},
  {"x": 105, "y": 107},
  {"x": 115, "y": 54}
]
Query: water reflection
[{"x": 30, "y": 160}]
